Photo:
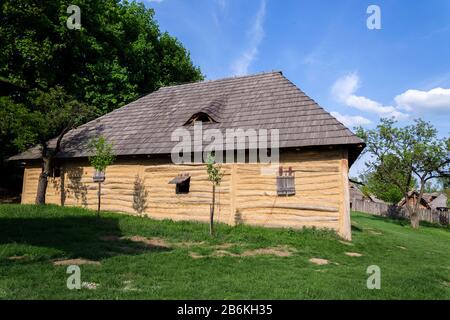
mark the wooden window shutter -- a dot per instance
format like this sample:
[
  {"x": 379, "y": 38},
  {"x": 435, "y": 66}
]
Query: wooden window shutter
[{"x": 286, "y": 182}]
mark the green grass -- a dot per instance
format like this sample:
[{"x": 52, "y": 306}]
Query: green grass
[{"x": 39, "y": 235}]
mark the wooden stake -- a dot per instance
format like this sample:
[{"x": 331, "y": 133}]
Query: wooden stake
[{"x": 99, "y": 197}]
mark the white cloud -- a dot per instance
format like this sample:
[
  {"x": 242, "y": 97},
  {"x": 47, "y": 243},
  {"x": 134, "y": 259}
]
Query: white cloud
[
  {"x": 256, "y": 34},
  {"x": 345, "y": 86},
  {"x": 350, "y": 121},
  {"x": 344, "y": 90},
  {"x": 437, "y": 100}
]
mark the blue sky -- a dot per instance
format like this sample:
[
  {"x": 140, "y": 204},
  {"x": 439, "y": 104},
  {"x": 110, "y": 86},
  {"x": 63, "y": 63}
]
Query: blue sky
[{"x": 326, "y": 49}]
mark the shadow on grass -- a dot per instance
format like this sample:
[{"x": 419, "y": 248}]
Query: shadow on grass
[
  {"x": 77, "y": 237},
  {"x": 356, "y": 229}
]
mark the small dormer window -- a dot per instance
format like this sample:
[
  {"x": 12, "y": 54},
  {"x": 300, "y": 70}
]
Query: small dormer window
[{"x": 201, "y": 117}]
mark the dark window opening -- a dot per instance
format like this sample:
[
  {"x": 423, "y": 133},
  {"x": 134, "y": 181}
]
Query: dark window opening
[
  {"x": 182, "y": 183},
  {"x": 183, "y": 187},
  {"x": 201, "y": 117},
  {"x": 286, "y": 182},
  {"x": 56, "y": 172}
]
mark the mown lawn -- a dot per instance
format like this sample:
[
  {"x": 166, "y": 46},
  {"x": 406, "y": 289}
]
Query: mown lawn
[{"x": 181, "y": 261}]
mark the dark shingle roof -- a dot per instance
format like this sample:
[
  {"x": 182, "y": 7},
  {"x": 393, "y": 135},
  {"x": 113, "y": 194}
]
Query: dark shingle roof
[{"x": 261, "y": 101}]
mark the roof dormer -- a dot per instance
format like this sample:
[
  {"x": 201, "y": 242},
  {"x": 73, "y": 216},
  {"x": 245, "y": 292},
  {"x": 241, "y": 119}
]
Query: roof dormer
[{"x": 201, "y": 117}]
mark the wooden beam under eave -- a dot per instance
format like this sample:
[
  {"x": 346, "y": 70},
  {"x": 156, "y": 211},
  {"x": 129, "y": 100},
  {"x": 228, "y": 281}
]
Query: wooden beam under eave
[{"x": 345, "y": 225}]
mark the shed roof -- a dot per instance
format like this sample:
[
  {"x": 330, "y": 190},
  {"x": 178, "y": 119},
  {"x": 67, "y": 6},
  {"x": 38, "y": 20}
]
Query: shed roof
[
  {"x": 261, "y": 101},
  {"x": 439, "y": 202}
]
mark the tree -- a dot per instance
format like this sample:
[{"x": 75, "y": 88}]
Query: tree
[
  {"x": 215, "y": 176},
  {"x": 388, "y": 192},
  {"x": 398, "y": 155},
  {"x": 102, "y": 153},
  {"x": 54, "y": 114},
  {"x": 118, "y": 55},
  {"x": 102, "y": 156}
]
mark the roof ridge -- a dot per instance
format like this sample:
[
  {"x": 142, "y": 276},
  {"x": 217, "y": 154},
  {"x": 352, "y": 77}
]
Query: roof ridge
[{"x": 222, "y": 79}]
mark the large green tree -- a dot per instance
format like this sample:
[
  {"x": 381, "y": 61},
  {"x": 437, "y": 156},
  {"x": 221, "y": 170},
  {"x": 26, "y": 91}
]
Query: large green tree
[
  {"x": 375, "y": 185},
  {"x": 400, "y": 154},
  {"x": 117, "y": 55}
]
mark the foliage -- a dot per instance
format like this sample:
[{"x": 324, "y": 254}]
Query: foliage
[
  {"x": 375, "y": 186},
  {"x": 118, "y": 55},
  {"x": 398, "y": 155},
  {"x": 39, "y": 235},
  {"x": 102, "y": 153},
  {"x": 214, "y": 171}
]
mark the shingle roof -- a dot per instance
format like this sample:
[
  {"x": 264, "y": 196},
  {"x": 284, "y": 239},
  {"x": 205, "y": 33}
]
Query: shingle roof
[
  {"x": 439, "y": 202},
  {"x": 261, "y": 101}
]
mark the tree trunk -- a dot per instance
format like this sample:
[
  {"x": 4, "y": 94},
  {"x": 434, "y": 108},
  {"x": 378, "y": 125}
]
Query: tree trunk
[
  {"x": 414, "y": 217},
  {"x": 211, "y": 212},
  {"x": 43, "y": 181},
  {"x": 414, "y": 214},
  {"x": 99, "y": 198}
]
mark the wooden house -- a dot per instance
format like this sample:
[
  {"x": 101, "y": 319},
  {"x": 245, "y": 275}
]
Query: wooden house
[
  {"x": 315, "y": 150},
  {"x": 433, "y": 200}
]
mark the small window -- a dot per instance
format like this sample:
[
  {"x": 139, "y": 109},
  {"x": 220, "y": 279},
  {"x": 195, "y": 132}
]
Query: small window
[
  {"x": 182, "y": 183},
  {"x": 200, "y": 117},
  {"x": 183, "y": 187},
  {"x": 286, "y": 182}
]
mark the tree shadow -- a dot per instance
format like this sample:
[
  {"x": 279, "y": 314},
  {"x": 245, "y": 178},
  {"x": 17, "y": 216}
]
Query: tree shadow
[
  {"x": 75, "y": 142},
  {"x": 75, "y": 188},
  {"x": 76, "y": 237}
]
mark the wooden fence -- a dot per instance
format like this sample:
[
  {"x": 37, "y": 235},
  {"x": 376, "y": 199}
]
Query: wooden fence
[{"x": 386, "y": 210}]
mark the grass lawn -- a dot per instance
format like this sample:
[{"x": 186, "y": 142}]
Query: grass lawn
[{"x": 140, "y": 258}]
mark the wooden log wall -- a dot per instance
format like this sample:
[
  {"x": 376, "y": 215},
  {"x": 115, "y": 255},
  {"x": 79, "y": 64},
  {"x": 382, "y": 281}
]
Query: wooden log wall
[{"x": 246, "y": 195}]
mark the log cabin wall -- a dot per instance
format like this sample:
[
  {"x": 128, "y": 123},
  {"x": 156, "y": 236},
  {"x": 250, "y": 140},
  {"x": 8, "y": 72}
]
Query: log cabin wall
[{"x": 246, "y": 195}]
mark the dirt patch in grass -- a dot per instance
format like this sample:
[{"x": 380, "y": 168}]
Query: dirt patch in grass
[
  {"x": 319, "y": 261},
  {"x": 195, "y": 255},
  {"x": 154, "y": 242},
  {"x": 401, "y": 247},
  {"x": 90, "y": 285},
  {"x": 78, "y": 262},
  {"x": 151, "y": 242},
  {"x": 16, "y": 258},
  {"x": 375, "y": 233},
  {"x": 353, "y": 254},
  {"x": 279, "y": 251},
  {"x": 224, "y": 246}
]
